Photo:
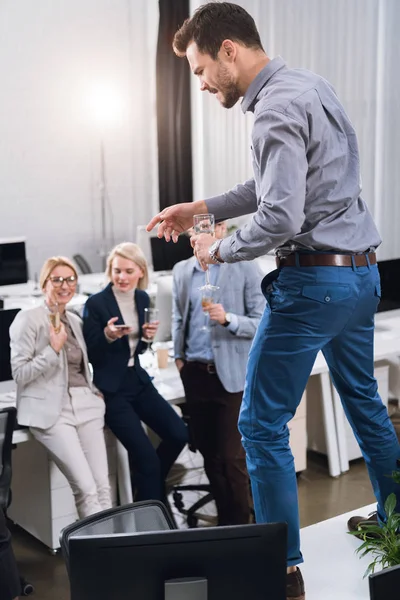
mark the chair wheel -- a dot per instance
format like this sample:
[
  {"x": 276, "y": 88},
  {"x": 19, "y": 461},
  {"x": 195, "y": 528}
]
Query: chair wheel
[
  {"x": 192, "y": 521},
  {"x": 178, "y": 500},
  {"x": 26, "y": 588}
]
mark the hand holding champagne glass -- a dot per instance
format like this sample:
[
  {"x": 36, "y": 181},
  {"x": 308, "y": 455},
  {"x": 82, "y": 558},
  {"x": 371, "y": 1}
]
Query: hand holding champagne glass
[
  {"x": 150, "y": 325},
  {"x": 205, "y": 223},
  {"x": 206, "y": 301}
]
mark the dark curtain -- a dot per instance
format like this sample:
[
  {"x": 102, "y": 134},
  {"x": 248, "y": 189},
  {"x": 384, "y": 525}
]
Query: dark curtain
[{"x": 173, "y": 109}]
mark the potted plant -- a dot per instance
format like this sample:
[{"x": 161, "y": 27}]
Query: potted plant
[{"x": 382, "y": 542}]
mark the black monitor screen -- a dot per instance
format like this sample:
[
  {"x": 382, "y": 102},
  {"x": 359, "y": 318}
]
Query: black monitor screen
[
  {"x": 238, "y": 562},
  {"x": 389, "y": 271},
  {"x": 385, "y": 584},
  {"x": 6, "y": 318},
  {"x": 13, "y": 267},
  {"x": 166, "y": 254}
]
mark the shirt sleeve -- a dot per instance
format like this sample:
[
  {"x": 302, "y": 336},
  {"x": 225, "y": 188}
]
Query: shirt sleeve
[
  {"x": 241, "y": 200},
  {"x": 280, "y": 155}
]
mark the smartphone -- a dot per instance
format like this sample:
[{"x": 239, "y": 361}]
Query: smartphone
[{"x": 122, "y": 326}]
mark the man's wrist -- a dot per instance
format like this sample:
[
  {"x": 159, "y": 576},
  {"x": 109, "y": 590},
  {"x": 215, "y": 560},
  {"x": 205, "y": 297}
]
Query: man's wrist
[
  {"x": 213, "y": 252},
  {"x": 228, "y": 319}
]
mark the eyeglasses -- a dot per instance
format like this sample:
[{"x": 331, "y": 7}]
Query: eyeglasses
[{"x": 58, "y": 281}]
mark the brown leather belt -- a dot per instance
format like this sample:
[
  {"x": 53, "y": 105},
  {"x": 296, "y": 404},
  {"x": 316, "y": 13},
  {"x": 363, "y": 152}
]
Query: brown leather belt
[
  {"x": 326, "y": 260},
  {"x": 209, "y": 367}
]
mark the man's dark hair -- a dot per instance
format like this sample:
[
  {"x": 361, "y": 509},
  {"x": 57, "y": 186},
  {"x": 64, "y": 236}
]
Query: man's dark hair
[{"x": 213, "y": 23}]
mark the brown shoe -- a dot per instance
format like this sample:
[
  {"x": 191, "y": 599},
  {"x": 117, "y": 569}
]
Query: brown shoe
[
  {"x": 295, "y": 586},
  {"x": 361, "y": 524}
]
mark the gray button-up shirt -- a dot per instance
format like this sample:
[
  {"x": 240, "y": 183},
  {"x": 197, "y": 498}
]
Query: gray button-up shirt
[{"x": 306, "y": 186}]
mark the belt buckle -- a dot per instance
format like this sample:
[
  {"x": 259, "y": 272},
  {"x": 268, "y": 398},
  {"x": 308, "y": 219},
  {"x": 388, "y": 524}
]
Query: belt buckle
[{"x": 211, "y": 369}]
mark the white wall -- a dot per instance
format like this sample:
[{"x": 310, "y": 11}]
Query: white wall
[
  {"x": 52, "y": 54},
  {"x": 355, "y": 45}
]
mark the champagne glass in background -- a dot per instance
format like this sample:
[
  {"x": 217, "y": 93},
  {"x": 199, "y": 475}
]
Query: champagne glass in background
[
  {"x": 207, "y": 299},
  {"x": 150, "y": 316},
  {"x": 54, "y": 316},
  {"x": 205, "y": 223}
]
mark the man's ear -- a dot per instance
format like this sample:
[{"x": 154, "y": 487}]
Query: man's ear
[{"x": 228, "y": 50}]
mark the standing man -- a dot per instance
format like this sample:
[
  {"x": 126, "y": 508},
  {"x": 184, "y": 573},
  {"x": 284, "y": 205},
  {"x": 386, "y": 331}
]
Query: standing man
[
  {"x": 306, "y": 197},
  {"x": 212, "y": 363}
]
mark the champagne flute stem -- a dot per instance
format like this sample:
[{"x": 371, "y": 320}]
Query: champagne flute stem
[{"x": 208, "y": 277}]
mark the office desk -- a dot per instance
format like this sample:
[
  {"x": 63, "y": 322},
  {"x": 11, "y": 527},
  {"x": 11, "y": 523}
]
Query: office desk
[
  {"x": 42, "y": 499},
  {"x": 331, "y": 569}
]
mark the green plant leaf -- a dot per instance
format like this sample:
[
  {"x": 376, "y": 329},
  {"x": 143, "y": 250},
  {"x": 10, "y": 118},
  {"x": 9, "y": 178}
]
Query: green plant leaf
[
  {"x": 390, "y": 505},
  {"x": 396, "y": 476}
]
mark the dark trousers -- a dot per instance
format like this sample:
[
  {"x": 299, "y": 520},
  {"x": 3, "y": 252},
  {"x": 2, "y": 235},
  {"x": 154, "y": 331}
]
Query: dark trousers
[
  {"x": 213, "y": 416},
  {"x": 133, "y": 404},
  {"x": 9, "y": 579}
]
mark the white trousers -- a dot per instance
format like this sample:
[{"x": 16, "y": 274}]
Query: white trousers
[{"x": 77, "y": 446}]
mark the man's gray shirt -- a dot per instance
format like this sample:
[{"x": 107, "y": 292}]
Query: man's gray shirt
[{"x": 306, "y": 186}]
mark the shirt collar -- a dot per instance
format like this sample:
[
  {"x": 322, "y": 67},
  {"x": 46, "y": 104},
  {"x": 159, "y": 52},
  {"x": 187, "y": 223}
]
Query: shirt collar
[{"x": 260, "y": 81}]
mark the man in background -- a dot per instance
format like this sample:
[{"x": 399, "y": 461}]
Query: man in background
[{"x": 211, "y": 345}]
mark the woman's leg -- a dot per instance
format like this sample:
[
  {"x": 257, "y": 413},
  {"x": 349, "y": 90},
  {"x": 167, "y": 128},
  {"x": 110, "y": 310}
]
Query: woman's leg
[
  {"x": 123, "y": 420},
  {"x": 155, "y": 412},
  {"x": 89, "y": 410},
  {"x": 63, "y": 444}
]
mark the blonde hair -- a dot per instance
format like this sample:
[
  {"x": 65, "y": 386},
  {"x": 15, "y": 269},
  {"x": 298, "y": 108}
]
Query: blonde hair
[
  {"x": 49, "y": 266},
  {"x": 134, "y": 253}
]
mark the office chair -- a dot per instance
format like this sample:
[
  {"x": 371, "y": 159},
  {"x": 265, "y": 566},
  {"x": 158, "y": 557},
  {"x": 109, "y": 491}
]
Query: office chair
[
  {"x": 192, "y": 518},
  {"x": 8, "y": 418},
  {"x": 177, "y": 495},
  {"x": 144, "y": 516},
  {"x": 82, "y": 263}
]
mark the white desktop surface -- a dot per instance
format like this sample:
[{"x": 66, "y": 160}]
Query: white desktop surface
[
  {"x": 24, "y": 302},
  {"x": 331, "y": 569},
  {"x": 20, "y": 289}
]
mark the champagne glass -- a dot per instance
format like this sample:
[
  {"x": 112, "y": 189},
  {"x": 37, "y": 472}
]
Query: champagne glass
[
  {"x": 150, "y": 316},
  {"x": 54, "y": 316},
  {"x": 205, "y": 223},
  {"x": 206, "y": 300}
]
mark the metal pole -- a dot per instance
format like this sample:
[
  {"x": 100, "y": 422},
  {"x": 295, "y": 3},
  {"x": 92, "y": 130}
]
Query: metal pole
[{"x": 103, "y": 243}]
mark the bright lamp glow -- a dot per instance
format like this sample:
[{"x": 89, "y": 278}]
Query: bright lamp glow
[{"x": 105, "y": 104}]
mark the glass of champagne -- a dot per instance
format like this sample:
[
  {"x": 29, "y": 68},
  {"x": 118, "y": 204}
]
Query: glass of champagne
[
  {"x": 54, "y": 316},
  {"x": 205, "y": 223},
  {"x": 207, "y": 300},
  {"x": 150, "y": 316}
]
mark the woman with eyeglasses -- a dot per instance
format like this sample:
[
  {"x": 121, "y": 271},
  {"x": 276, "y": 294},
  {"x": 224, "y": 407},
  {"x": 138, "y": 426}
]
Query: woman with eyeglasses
[{"x": 55, "y": 396}]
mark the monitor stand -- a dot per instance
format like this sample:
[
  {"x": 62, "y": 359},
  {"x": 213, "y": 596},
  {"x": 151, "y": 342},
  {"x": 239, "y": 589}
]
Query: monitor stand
[{"x": 187, "y": 588}]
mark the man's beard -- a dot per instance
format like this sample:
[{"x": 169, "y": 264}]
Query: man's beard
[{"x": 227, "y": 88}]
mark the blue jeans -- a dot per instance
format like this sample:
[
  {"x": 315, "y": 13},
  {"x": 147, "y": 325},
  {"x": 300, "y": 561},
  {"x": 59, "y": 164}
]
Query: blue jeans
[{"x": 310, "y": 309}]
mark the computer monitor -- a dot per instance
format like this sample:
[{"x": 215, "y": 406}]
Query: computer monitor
[
  {"x": 385, "y": 584},
  {"x": 164, "y": 305},
  {"x": 238, "y": 563},
  {"x": 166, "y": 254},
  {"x": 6, "y": 318},
  {"x": 389, "y": 271},
  {"x": 13, "y": 265}
]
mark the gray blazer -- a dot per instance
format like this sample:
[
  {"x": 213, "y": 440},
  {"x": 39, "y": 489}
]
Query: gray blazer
[
  {"x": 40, "y": 374},
  {"x": 239, "y": 293}
]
